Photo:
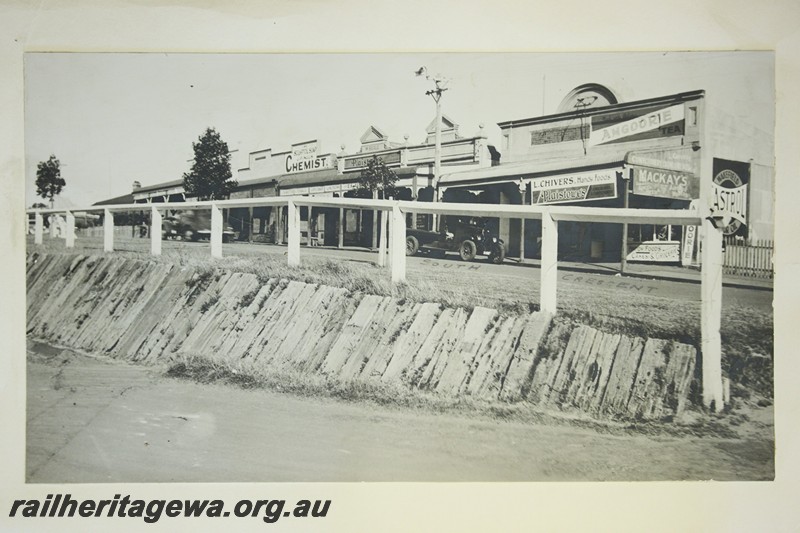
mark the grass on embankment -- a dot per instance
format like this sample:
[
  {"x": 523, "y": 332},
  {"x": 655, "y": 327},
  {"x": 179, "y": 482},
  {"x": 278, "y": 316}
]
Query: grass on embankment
[{"x": 392, "y": 395}]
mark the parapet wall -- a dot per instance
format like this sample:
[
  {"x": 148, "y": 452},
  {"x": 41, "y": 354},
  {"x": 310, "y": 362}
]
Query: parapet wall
[{"x": 150, "y": 312}]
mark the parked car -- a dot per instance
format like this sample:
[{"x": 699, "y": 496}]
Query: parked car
[
  {"x": 192, "y": 225},
  {"x": 467, "y": 236}
]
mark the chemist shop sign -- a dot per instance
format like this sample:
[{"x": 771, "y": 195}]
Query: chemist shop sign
[
  {"x": 729, "y": 194},
  {"x": 648, "y": 181},
  {"x": 579, "y": 187},
  {"x": 304, "y": 157}
]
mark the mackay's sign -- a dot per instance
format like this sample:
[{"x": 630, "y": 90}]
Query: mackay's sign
[
  {"x": 651, "y": 121},
  {"x": 729, "y": 193},
  {"x": 665, "y": 183},
  {"x": 579, "y": 187}
]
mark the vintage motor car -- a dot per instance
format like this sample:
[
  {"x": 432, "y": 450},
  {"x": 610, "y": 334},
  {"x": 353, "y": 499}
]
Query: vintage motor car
[
  {"x": 192, "y": 225},
  {"x": 467, "y": 236}
]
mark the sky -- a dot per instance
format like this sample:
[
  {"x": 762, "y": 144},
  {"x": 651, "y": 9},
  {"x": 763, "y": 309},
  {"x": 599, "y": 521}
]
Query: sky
[{"x": 113, "y": 118}]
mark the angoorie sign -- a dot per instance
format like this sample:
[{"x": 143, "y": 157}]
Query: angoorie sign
[
  {"x": 579, "y": 187},
  {"x": 649, "y": 122}
]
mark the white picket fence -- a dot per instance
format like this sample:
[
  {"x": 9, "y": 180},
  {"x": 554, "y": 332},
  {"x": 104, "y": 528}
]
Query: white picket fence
[
  {"x": 392, "y": 253},
  {"x": 750, "y": 259}
]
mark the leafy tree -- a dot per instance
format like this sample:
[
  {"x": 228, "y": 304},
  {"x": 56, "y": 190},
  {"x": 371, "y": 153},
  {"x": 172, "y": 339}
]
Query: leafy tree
[
  {"x": 49, "y": 182},
  {"x": 39, "y": 205},
  {"x": 378, "y": 177},
  {"x": 210, "y": 177}
]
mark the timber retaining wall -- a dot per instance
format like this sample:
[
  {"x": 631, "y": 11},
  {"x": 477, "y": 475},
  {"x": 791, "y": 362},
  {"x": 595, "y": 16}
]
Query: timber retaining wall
[{"x": 146, "y": 311}]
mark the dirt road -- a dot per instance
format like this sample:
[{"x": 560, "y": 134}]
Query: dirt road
[{"x": 93, "y": 419}]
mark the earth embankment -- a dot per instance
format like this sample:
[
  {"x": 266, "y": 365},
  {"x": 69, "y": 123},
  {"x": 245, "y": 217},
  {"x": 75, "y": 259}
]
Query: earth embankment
[{"x": 156, "y": 312}]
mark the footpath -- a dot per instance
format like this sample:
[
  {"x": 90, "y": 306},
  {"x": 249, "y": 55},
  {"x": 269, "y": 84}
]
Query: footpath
[{"x": 654, "y": 271}]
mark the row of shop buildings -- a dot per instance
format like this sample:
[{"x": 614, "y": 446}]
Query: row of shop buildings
[{"x": 593, "y": 151}]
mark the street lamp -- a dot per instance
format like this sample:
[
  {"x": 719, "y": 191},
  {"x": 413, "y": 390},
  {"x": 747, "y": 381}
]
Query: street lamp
[{"x": 436, "y": 93}]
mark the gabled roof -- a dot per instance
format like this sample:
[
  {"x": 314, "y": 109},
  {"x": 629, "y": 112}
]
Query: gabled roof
[
  {"x": 119, "y": 200},
  {"x": 447, "y": 124},
  {"x": 373, "y": 134},
  {"x": 158, "y": 186}
]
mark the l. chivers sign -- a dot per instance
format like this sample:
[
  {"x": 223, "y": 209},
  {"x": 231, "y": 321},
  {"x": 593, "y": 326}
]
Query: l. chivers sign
[
  {"x": 651, "y": 121},
  {"x": 578, "y": 187}
]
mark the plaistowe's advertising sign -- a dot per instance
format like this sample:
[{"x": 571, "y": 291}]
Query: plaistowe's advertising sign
[{"x": 578, "y": 187}]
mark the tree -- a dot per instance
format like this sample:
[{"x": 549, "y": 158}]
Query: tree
[
  {"x": 39, "y": 205},
  {"x": 210, "y": 177},
  {"x": 49, "y": 182},
  {"x": 377, "y": 177}
]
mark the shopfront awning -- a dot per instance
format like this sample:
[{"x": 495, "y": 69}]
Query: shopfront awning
[
  {"x": 514, "y": 172},
  {"x": 679, "y": 159}
]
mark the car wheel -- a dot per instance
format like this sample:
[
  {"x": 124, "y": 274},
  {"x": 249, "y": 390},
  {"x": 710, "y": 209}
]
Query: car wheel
[
  {"x": 467, "y": 250},
  {"x": 412, "y": 245},
  {"x": 498, "y": 255}
]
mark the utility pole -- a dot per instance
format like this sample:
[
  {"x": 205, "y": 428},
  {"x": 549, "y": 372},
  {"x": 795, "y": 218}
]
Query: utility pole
[
  {"x": 436, "y": 94},
  {"x": 581, "y": 105}
]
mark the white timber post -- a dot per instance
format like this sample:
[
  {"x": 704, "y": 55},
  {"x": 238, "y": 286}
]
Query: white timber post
[
  {"x": 216, "y": 231},
  {"x": 293, "y": 223},
  {"x": 341, "y": 227},
  {"x": 38, "y": 224},
  {"x": 389, "y": 230},
  {"x": 155, "y": 231},
  {"x": 382, "y": 239},
  {"x": 711, "y": 272},
  {"x": 398, "y": 244},
  {"x": 711, "y": 315},
  {"x": 549, "y": 266},
  {"x": 70, "y": 231},
  {"x": 108, "y": 231}
]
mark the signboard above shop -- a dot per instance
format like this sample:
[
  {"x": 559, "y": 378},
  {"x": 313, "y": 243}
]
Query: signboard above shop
[
  {"x": 667, "y": 121},
  {"x": 665, "y": 183},
  {"x": 388, "y": 159},
  {"x": 577, "y": 187},
  {"x": 303, "y": 158}
]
